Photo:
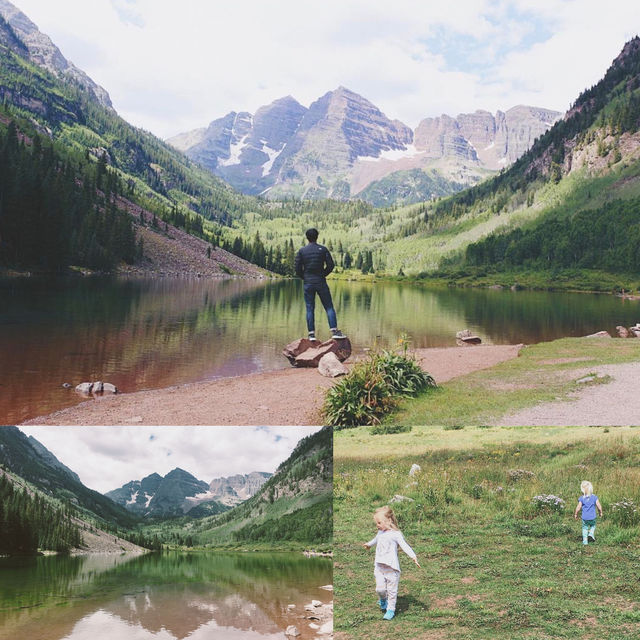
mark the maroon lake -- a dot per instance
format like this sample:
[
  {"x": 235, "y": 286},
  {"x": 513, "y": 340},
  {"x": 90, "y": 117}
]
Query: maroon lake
[
  {"x": 169, "y": 595},
  {"x": 149, "y": 334}
]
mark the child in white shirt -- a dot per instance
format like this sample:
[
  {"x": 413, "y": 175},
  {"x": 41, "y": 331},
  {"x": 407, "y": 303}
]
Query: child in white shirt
[{"x": 387, "y": 566}]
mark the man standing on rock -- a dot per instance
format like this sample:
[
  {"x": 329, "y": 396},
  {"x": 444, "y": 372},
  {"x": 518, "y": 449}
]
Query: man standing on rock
[{"x": 313, "y": 264}]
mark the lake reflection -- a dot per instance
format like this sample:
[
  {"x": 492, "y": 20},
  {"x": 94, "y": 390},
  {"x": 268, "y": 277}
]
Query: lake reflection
[
  {"x": 169, "y": 595},
  {"x": 144, "y": 334}
]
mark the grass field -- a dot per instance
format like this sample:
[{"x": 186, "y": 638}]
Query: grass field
[
  {"x": 542, "y": 372},
  {"x": 494, "y": 565}
]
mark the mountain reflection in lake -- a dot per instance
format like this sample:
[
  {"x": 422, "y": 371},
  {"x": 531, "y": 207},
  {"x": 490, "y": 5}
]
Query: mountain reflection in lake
[
  {"x": 145, "y": 334},
  {"x": 162, "y": 596}
]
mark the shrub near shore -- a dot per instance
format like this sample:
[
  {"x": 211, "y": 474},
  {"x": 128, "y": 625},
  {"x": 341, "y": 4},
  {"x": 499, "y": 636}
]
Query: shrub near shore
[
  {"x": 496, "y": 563},
  {"x": 373, "y": 386}
]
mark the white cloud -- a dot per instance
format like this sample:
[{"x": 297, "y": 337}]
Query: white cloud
[
  {"x": 170, "y": 68},
  {"x": 105, "y": 458}
]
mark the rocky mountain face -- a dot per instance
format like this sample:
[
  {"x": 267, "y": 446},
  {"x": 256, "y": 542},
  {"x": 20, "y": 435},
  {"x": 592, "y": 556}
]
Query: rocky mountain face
[
  {"x": 180, "y": 492},
  {"x": 343, "y": 144},
  {"x": 236, "y": 489},
  {"x": 155, "y": 496},
  {"x": 492, "y": 141},
  {"x": 23, "y": 37}
]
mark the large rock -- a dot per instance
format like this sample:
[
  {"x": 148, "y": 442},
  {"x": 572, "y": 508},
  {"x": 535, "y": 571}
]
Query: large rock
[
  {"x": 466, "y": 338},
  {"x": 295, "y": 348},
  {"x": 599, "y": 334},
  {"x": 330, "y": 366},
  {"x": 311, "y": 357},
  {"x": 98, "y": 387},
  {"x": 635, "y": 331},
  {"x": 623, "y": 332}
]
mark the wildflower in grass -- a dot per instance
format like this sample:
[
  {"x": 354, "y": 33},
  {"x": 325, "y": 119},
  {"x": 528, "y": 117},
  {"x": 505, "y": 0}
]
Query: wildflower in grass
[
  {"x": 520, "y": 474},
  {"x": 588, "y": 503},
  {"x": 549, "y": 503},
  {"x": 625, "y": 513}
]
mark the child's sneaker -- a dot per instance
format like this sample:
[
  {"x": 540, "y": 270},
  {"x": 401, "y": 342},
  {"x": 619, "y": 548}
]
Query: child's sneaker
[
  {"x": 389, "y": 615},
  {"x": 383, "y": 604},
  {"x": 591, "y": 539},
  {"x": 337, "y": 334},
  {"x": 312, "y": 337}
]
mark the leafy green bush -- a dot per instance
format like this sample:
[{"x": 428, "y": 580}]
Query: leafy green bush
[
  {"x": 361, "y": 397},
  {"x": 386, "y": 429},
  {"x": 369, "y": 390},
  {"x": 403, "y": 374}
]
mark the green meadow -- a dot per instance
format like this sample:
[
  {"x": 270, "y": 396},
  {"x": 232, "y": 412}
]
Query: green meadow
[
  {"x": 541, "y": 373},
  {"x": 495, "y": 563}
]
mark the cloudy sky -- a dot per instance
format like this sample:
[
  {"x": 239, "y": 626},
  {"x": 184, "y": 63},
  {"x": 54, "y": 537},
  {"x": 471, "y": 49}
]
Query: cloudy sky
[
  {"x": 105, "y": 458},
  {"x": 174, "y": 66}
]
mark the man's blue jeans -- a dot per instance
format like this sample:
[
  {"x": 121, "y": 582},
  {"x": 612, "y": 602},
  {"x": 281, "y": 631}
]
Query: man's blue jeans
[{"x": 322, "y": 289}]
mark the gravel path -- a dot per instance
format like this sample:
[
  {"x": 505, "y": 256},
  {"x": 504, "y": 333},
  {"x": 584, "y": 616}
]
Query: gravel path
[
  {"x": 284, "y": 397},
  {"x": 615, "y": 403}
]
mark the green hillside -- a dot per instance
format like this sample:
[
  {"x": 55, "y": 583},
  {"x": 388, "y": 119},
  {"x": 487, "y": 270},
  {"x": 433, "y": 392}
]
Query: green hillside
[
  {"x": 555, "y": 208},
  {"x": 293, "y": 507},
  {"x": 18, "y": 455},
  {"x": 572, "y": 201}
]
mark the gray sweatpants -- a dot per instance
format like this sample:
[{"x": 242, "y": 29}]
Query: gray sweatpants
[{"x": 387, "y": 580}]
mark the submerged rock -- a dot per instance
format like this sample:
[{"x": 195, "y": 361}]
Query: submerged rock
[
  {"x": 98, "y": 387},
  {"x": 465, "y": 338}
]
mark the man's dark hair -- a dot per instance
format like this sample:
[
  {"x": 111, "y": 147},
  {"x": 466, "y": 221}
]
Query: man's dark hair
[{"x": 312, "y": 234}]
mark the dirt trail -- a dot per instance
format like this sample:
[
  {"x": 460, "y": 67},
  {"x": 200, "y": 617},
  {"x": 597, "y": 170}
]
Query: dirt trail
[
  {"x": 283, "y": 397},
  {"x": 615, "y": 403}
]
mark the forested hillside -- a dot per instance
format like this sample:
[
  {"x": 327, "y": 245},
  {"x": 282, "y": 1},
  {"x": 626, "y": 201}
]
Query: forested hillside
[
  {"x": 572, "y": 201},
  {"x": 29, "y": 522},
  {"x": 294, "y": 505}
]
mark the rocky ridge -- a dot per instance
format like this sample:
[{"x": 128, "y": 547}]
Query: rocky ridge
[
  {"x": 343, "y": 144},
  {"x": 23, "y": 37},
  {"x": 179, "y": 492},
  {"x": 236, "y": 489}
]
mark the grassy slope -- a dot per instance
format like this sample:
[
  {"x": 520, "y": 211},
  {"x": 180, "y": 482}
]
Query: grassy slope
[
  {"x": 535, "y": 376},
  {"x": 300, "y": 482},
  {"x": 492, "y": 567}
]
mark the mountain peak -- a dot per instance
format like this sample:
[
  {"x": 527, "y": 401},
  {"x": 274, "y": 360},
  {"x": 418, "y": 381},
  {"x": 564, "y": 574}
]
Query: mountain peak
[
  {"x": 40, "y": 50},
  {"x": 631, "y": 49}
]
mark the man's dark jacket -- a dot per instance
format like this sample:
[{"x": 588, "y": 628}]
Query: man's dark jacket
[{"x": 314, "y": 263}]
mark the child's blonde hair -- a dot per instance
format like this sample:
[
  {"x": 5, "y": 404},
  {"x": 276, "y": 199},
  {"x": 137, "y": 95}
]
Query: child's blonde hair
[
  {"x": 386, "y": 514},
  {"x": 587, "y": 487}
]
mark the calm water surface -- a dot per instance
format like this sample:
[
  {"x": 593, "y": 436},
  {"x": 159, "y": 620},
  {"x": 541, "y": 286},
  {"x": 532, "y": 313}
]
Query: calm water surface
[
  {"x": 159, "y": 596},
  {"x": 144, "y": 334}
]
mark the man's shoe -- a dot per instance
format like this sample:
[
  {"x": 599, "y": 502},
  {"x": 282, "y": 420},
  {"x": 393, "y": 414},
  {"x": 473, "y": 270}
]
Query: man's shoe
[
  {"x": 389, "y": 615},
  {"x": 383, "y": 604},
  {"x": 338, "y": 335},
  {"x": 313, "y": 338}
]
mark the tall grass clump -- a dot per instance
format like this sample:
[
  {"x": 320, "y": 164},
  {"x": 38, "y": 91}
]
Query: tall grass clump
[{"x": 372, "y": 387}]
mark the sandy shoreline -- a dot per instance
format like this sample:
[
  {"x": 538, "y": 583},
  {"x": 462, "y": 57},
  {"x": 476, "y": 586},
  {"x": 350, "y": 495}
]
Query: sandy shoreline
[{"x": 283, "y": 397}]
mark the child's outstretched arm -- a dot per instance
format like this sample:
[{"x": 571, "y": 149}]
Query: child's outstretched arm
[
  {"x": 368, "y": 545},
  {"x": 407, "y": 549},
  {"x": 577, "y": 511},
  {"x": 599, "y": 507}
]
